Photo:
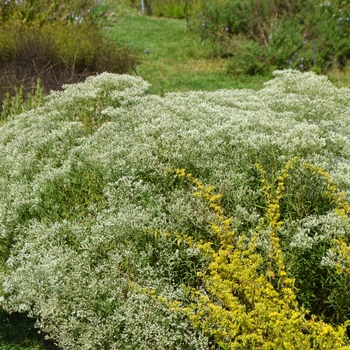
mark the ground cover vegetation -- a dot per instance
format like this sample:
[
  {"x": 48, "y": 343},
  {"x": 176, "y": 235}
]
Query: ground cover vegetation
[
  {"x": 193, "y": 220},
  {"x": 57, "y": 42}
]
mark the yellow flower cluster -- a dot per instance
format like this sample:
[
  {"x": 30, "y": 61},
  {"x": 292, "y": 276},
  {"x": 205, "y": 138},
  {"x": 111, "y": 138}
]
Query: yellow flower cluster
[
  {"x": 246, "y": 305},
  {"x": 272, "y": 218}
]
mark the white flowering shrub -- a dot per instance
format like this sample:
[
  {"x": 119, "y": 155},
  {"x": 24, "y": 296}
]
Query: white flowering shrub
[{"x": 91, "y": 211}]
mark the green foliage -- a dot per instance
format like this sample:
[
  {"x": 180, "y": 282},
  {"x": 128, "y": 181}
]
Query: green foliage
[
  {"x": 164, "y": 8},
  {"x": 299, "y": 35},
  {"x": 39, "y": 12},
  {"x": 175, "y": 60},
  {"x": 171, "y": 8},
  {"x": 247, "y": 59}
]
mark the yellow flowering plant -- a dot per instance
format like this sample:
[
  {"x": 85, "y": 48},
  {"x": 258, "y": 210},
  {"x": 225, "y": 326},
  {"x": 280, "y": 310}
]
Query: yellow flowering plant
[{"x": 244, "y": 303}]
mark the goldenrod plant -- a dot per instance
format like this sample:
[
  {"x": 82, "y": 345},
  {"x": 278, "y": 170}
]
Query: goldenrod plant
[
  {"x": 244, "y": 305},
  {"x": 91, "y": 217}
]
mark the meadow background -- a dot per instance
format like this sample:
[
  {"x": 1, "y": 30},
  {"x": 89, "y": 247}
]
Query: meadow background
[{"x": 193, "y": 197}]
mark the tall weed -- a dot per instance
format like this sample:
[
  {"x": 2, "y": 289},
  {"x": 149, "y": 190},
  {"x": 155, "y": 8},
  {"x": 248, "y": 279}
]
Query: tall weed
[{"x": 19, "y": 103}]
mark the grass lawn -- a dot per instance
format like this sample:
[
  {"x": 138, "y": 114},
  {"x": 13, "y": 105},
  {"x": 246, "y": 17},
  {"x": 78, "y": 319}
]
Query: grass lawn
[{"x": 171, "y": 58}]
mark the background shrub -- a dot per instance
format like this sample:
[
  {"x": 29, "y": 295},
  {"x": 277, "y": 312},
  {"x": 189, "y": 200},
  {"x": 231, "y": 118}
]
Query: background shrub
[
  {"x": 56, "y": 43},
  {"x": 248, "y": 58},
  {"x": 298, "y": 34},
  {"x": 41, "y": 11}
]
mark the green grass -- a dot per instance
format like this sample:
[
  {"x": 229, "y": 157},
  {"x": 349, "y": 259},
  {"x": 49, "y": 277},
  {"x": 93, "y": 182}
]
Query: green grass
[{"x": 173, "y": 59}]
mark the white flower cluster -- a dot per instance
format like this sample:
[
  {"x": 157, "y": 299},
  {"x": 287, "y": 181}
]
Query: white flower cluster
[
  {"x": 313, "y": 230},
  {"x": 85, "y": 179}
]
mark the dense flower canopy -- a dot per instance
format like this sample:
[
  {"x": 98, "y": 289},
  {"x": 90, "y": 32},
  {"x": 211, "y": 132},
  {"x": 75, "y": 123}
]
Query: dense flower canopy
[{"x": 87, "y": 177}]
